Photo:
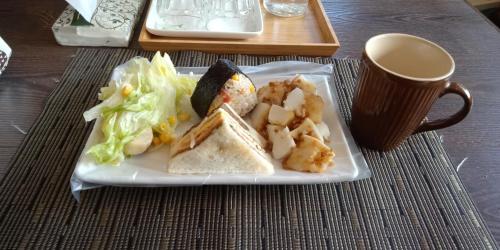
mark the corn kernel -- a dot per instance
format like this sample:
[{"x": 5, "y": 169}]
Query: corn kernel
[
  {"x": 235, "y": 77},
  {"x": 127, "y": 89},
  {"x": 252, "y": 88},
  {"x": 163, "y": 126},
  {"x": 166, "y": 138},
  {"x": 156, "y": 141},
  {"x": 184, "y": 117},
  {"x": 172, "y": 120},
  {"x": 163, "y": 71}
]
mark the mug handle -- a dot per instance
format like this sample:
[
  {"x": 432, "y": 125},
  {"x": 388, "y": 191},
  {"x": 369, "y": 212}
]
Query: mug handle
[{"x": 452, "y": 88}]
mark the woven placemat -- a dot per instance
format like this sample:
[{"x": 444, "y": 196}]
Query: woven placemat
[{"x": 414, "y": 199}]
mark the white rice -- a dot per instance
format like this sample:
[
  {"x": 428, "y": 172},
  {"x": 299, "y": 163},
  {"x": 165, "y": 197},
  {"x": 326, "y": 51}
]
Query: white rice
[{"x": 242, "y": 98}]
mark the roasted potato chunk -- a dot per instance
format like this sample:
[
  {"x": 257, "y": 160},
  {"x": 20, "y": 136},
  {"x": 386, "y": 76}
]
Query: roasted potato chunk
[
  {"x": 259, "y": 115},
  {"x": 295, "y": 101},
  {"x": 307, "y": 128},
  {"x": 310, "y": 155},
  {"x": 283, "y": 143},
  {"x": 280, "y": 116},
  {"x": 273, "y": 93},
  {"x": 314, "y": 107},
  {"x": 303, "y": 84}
]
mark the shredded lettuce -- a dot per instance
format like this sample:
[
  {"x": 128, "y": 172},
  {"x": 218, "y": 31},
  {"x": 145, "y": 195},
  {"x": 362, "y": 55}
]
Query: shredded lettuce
[{"x": 141, "y": 95}]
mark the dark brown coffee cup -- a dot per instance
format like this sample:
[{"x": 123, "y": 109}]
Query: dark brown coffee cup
[{"x": 399, "y": 79}]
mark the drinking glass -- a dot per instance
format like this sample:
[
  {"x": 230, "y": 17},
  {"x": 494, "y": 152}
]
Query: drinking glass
[
  {"x": 229, "y": 15},
  {"x": 202, "y": 14},
  {"x": 286, "y": 8},
  {"x": 183, "y": 14},
  {"x": 230, "y": 8}
]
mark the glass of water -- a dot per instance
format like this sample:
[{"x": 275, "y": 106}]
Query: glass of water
[
  {"x": 201, "y": 14},
  {"x": 183, "y": 14},
  {"x": 229, "y": 8},
  {"x": 286, "y": 8}
]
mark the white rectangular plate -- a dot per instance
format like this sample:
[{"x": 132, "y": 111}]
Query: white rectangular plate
[
  {"x": 149, "y": 169},
  {"x": 234, "y": 28}
]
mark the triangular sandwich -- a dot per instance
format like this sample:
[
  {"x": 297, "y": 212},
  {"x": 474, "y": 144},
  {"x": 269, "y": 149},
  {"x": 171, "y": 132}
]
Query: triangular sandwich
[{"x": 221, "y": 144}]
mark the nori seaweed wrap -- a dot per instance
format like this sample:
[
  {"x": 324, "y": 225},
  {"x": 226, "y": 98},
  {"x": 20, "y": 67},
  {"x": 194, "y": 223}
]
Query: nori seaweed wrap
[{"x": 224, "y": 82}]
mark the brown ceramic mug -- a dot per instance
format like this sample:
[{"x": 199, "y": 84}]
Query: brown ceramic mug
[{"x": 399, "y": 79}]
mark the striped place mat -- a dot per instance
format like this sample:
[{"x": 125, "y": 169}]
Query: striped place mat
[{"x": 413, "y": 200}]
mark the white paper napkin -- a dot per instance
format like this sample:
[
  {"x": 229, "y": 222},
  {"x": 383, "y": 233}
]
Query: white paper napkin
[
  {"x": 5, "y": 52},
  {"x": 86, "y": 8}
]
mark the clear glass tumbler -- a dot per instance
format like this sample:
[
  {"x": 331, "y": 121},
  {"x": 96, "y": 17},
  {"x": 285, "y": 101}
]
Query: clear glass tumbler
[
  {"x": 183, "y": 14},
  {"x": 286, "y": 8},
  {"x": 229, "y": 8},
  {"x": 202, "y": 14}
]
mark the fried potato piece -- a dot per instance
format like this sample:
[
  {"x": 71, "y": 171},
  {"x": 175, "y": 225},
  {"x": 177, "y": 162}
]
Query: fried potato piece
[
  {"x": 274, "y": 92},
  {"x": 307, "y": 128},
  {"x": 295, "y": 101},
  {"x": 283, "y": 143},
  {"x": 259, "y": 115},
  {"x": 272, "y": 131},
  {"x": 314, "y": 107},
  {"x": 310, "y": 155},
  {"x": 323, "y": 130},
  {"x": 300, "y": 82},
  {"x": 280, "y": 116}
]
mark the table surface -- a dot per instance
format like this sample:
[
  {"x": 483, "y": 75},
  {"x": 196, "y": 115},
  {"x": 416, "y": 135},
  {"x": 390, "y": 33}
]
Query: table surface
[{"x": 38, "y": 62}]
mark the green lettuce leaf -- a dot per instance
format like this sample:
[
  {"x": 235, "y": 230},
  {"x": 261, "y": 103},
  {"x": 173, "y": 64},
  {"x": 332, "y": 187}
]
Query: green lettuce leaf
[{"x": 155, "y": 96}]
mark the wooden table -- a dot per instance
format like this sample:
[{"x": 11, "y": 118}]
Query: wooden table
[{"x": 474, "y": 144}]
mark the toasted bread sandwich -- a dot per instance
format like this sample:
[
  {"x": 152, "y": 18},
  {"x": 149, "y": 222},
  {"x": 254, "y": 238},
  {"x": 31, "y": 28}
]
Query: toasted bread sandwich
[{"x": 221, "y": 144}]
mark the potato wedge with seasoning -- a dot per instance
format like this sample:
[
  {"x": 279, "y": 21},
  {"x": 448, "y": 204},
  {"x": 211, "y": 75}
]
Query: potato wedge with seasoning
[
  {"x": 295, "y": 101},
  {"x": 323, "y": 130},
  {"x": 294, "y": 124},
  {"x": 283, "y": 144},
  {"x": 310, "y": 155},
  {"x": 258, "y": 117},
  {"x": 306, "y": 86},
  {"x": 314, "y": 107},
  {"x": 307, "y": 128},
  {"x": 280, "y": 116},
  {"x": 273, "y": 93}
]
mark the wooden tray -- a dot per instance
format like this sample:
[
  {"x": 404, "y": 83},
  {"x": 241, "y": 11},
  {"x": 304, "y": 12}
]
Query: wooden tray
[{"x": 311, "y": 35}]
